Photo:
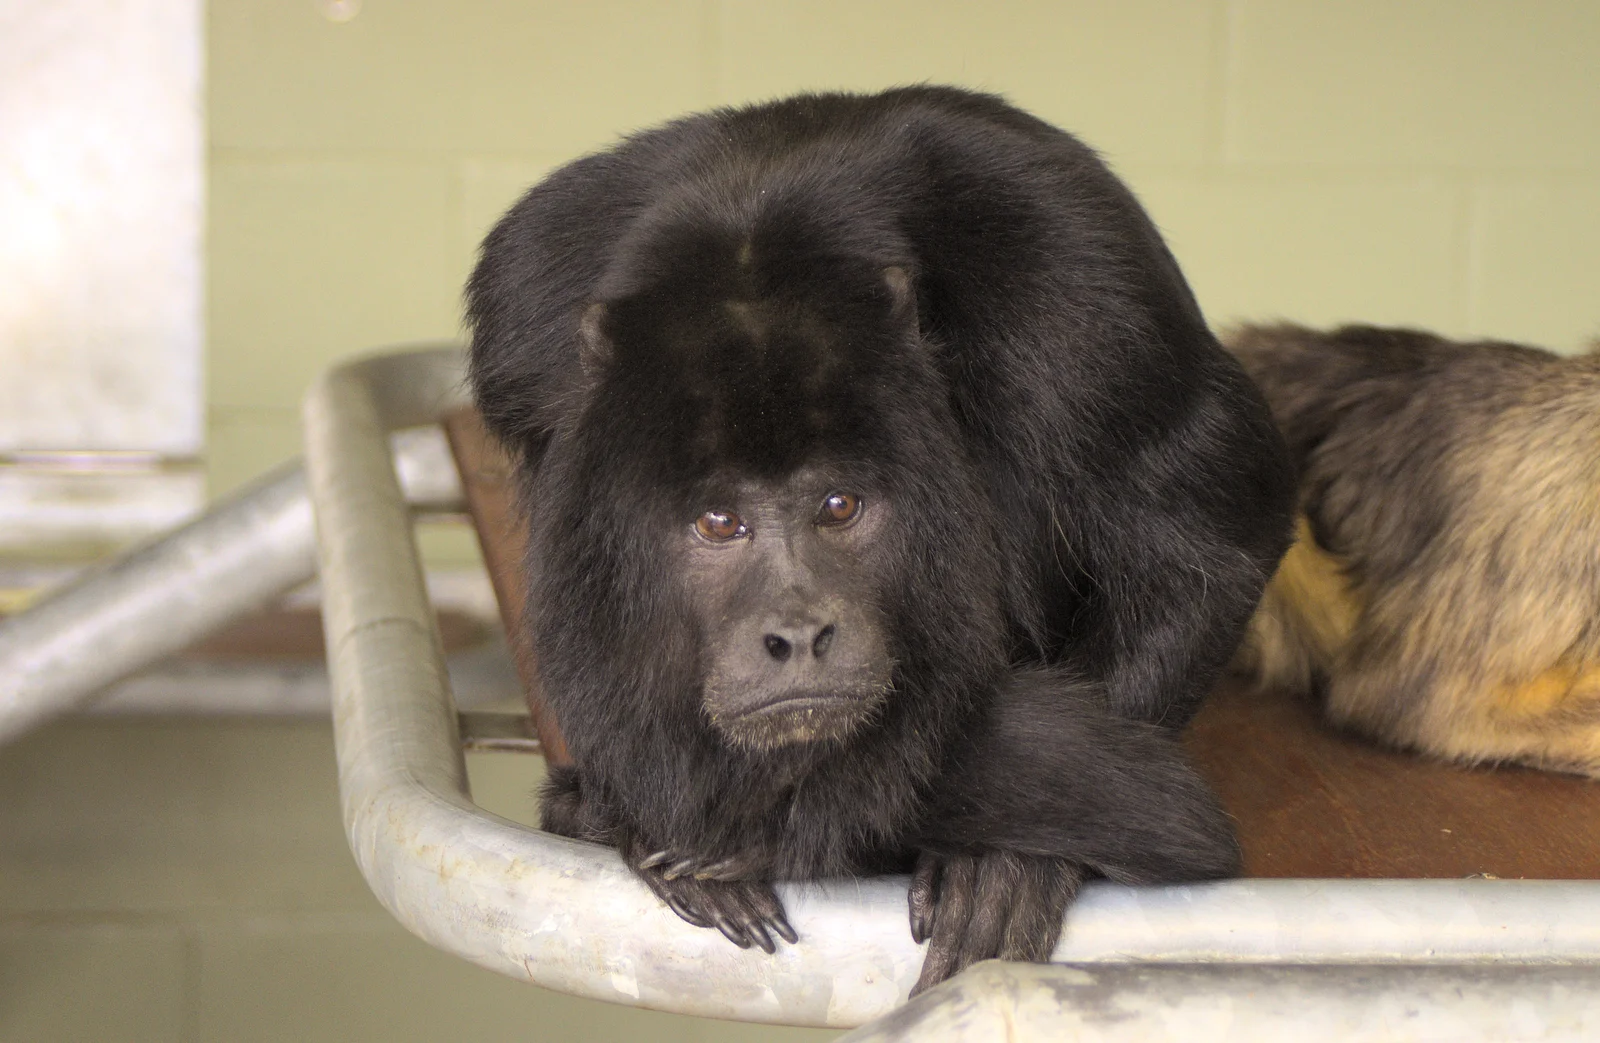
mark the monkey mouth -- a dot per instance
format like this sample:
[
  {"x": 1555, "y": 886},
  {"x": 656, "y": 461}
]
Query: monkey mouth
[
  {"x": 802, "y": 704},
  {"x": 806, "y": 717}
]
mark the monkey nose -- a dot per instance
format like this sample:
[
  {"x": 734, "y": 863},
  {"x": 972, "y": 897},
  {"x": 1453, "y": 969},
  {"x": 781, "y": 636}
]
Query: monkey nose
[{"x": 786, "y": 641}]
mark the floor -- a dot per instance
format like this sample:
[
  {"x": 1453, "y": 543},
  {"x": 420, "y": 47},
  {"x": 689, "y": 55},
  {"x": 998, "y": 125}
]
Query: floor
[{"x": 186, "y": 879}]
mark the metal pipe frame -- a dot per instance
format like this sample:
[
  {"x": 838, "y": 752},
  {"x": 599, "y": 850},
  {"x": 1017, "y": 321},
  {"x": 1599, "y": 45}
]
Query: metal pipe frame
[
  {"x": 113, "y": 621},
  {"x": 569, "y": 916},
  {"x": 1211, "y": 1003},
  {"x": 242, "y": 555}
]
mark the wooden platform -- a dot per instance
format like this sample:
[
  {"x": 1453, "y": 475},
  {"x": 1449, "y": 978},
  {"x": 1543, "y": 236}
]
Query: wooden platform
[
  {"x": 1309, "y": 801},
  {"x": 1313, "y": 802}
]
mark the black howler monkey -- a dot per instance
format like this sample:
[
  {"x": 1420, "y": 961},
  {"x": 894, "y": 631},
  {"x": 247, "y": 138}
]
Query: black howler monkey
[{"x": 890, "y": 507}]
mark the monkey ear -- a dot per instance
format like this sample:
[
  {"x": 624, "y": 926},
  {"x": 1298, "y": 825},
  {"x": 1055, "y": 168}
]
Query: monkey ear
[
  {"x": 594, "y": 347},
  {"x": 904, "y": 294}
]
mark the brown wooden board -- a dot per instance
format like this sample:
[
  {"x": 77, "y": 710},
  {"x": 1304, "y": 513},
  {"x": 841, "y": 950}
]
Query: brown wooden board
[
  {"x": 1309, "y": 801},
  {"x": 296, "y": 633},
  {"x": 491, "y": 500}
]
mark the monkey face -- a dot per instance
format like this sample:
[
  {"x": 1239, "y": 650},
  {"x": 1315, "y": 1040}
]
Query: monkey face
[{"x": 783, "y": 580}]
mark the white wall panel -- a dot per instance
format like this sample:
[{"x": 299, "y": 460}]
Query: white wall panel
[{"x": 101, "y": 154}]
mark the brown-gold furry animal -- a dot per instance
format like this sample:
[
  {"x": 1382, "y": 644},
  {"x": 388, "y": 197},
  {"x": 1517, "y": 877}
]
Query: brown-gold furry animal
[{"x": 1443, "y": 592}]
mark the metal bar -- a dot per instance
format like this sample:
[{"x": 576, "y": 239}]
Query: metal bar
[
  {"x": 569, "y": 915},
  {"x": 1250, "y": 1004},
  {"x": 243, "y": 554},
  {"x": 501, "y": 732},
  {"x": 111, "y": 621}
]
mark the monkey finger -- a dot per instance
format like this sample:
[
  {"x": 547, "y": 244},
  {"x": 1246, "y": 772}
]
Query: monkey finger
[
  {"x": 1047, "y": 889},
  {"x": 743, "y": 910},
  {"x": 994, "y": 900},
  {"x": 679, "y": 900},
  {"x": 780, "y": 923},
  {"x": 923, "y": 896},
  {"x": 732, "y": 930},
  {"x": 741, "y": 914},
  {"x": 734, "y": 868},
  {"x": 686, "y": 912},
  {"x": 958, "y": 877},
  {"x": 766, "y": 906},
  {"x": 737, "y": 913},
  {"x": 717, "y": 906},
  {"x": 757, "y": 930}
]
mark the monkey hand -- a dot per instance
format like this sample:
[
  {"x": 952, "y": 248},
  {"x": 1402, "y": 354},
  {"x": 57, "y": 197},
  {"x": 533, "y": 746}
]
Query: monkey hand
[
  {"x": 994, "y": 904},
  {"x": 728, "y": 893},
  {"x": 715, "y": 892}
]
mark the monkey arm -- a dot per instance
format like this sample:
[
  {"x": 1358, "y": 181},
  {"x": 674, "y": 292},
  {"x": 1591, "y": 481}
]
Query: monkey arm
[
  {"x": 1053, "y": 787},
  {"x": 1051, "y": 771},
  {"x": 1176, "y": 536},
  {"x": 1176, "y": 606}
]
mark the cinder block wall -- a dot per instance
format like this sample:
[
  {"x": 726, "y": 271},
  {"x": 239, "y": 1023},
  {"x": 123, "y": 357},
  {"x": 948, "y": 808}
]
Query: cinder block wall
[{"x": 1423, "y": 161}]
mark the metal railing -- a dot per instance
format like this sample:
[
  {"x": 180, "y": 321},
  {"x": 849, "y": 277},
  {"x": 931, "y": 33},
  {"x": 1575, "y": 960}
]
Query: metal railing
[
  {"x": 242, "y": 555},
  {"x": 1249, "y": 1003},
  {"x": 570, "y": 916}
]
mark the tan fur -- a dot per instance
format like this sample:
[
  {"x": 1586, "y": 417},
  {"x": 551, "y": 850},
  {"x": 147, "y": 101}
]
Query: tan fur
[
  {"x": 1306, "y": 616},
  {"x": 1457, "y": 608}
]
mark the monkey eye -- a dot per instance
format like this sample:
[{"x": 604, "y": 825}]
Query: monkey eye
[
  {"x": 838, "y": 509},
  {"x": 720, "y": 526}
]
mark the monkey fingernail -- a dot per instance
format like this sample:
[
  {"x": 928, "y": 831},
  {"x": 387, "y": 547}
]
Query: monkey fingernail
[
  {"x": 677, "y": 869},
  {"x": 733, "y": 932},
  {"x": 780, "y": 923},
  {"x": 762, "y": 939},
  {"x": 659, "y": 858},
  {"x": 686, "y": 914}
]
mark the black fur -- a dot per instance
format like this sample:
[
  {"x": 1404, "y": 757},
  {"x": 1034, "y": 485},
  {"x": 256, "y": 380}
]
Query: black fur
[{"x": 1084, "y": 498}]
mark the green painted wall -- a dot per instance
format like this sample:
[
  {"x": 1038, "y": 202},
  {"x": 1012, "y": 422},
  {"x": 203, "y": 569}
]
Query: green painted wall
[{"x": 1435, "y": 163}]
